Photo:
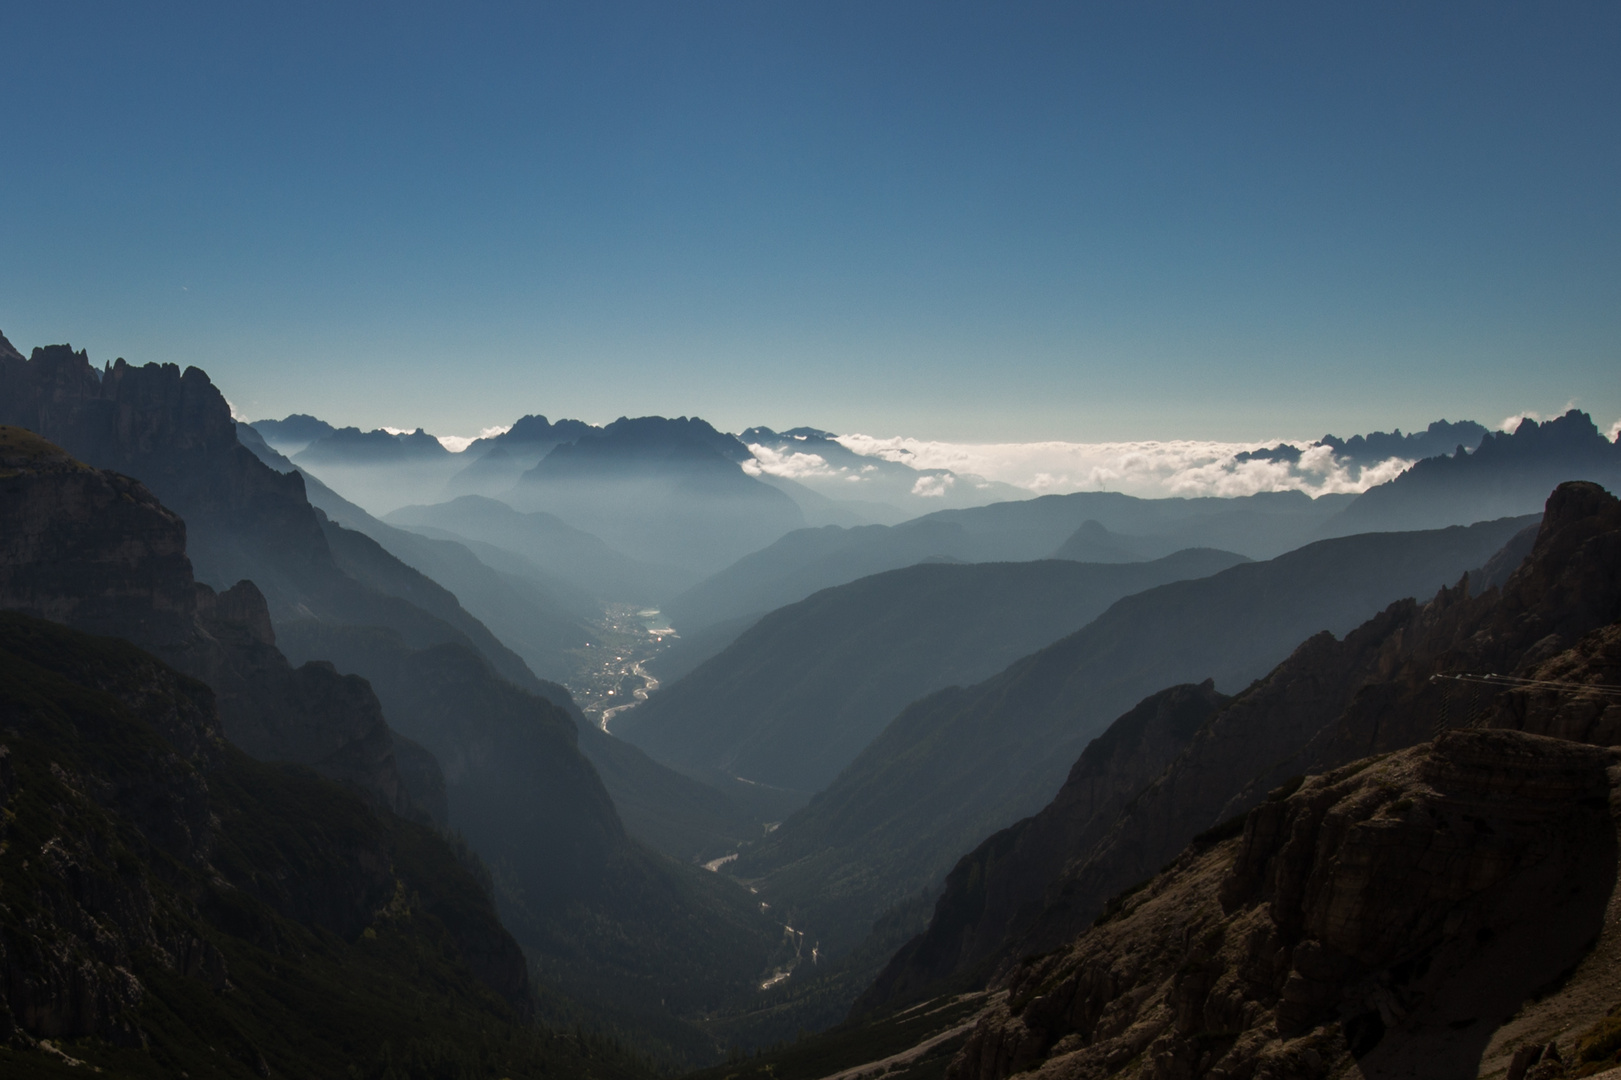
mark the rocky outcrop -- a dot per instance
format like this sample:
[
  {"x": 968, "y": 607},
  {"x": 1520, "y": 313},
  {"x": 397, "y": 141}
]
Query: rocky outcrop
[
  {"x": 1385, "y": 686},
  {"x": 95, "y": 550},
  {"x": 173, "y": 431},
  {"x": 996, "y": 890},
  {"x": 1393, "y": 913},
  {"x": 150, "y": 871}
]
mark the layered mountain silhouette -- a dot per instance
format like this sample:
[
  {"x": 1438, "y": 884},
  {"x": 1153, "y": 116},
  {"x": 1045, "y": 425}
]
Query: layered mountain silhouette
[
  {"x": 636, "y": 935},
  {"x": 803, "y": 562},
  {"x": 553, "y": 547},
  {"x": 541, "y": 618},
  {"x": 954, "y": 767},
  {"x": 495, "y": 463},
  {"x": 644, "y": 939},
  {"x": 662, "y": 491},
  {"x": 293, "y": 433},
  {"x": 1507, "y": 474},
  {"x": 379, "y": 470},
  {"x": 173, "y": 431},
  {"x": 351, "y": 446},
  {"x": 801, "y": 693},
  {"x": 1441, "y": 437},
  {"x": 95, "y": 550},
  {"x": 176, "y": 908},
  {"x": 670, "y": 812},
  {"x": 1489, "y": 853}
]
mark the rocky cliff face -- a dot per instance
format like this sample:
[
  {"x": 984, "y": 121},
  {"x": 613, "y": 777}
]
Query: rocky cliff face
[
  {"x": 173, "y": 431},
  {"x": 1391, "y": 916},
  {"x": 95, "y": 550},
  {"x": 1332, "y": 702},
  {"x": 169, "y": 905}
]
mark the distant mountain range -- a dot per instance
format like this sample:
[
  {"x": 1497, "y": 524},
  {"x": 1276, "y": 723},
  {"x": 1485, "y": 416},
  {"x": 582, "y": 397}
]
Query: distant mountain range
[
  {"x": 796, "y": 697},
  {"x": 1506, "y": 474},
  {"x": 1133, "y": 529},
  {"x": 1269, "y": 804},
  {"x": 955, "y": 766},
  {"x": 1441, "y": 437},
  {"x": 662, "y": 491},
  {"x": 884, "y": 491}
]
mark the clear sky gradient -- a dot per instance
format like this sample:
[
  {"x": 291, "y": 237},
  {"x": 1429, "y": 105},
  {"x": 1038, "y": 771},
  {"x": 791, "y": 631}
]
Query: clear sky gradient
[{"x": 985, "y": 221}]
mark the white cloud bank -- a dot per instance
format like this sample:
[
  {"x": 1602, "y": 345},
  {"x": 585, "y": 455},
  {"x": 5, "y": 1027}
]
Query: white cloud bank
[
  {"x": 457, "y": 443},
  {"x": 1182, "y": 467}
]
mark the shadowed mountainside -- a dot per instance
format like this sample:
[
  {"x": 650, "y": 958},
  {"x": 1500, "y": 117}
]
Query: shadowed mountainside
[
  {"x": 805, "y": 561},
  {"x": 173, "y": 431},
  {"x": 545, "y": 540},
  {"x": 94, "y": 550},
  {"x": 172, "y": 906},
  {"x": 1384, "y": 920},
  {"x": 793, "y": 700},
  {"x": 641, "y": 938},
  {"x": 962, "y": 763},
  {"x": 1043, "y": 881}
]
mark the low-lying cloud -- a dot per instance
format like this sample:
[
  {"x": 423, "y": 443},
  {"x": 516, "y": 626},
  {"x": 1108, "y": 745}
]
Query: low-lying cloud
[
  {"x": 457, "y": 443},
  {"x": 793, "y": 466},
  {"x": 1180, "y": 467}
]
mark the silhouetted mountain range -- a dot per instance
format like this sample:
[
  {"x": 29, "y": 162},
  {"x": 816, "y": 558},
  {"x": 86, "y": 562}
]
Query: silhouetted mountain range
[
  {"x": 662, "y": 491},
  {"x": 1507, "y": 474},
  {"x": 557, "y": 549},
  {"x": 94, "y": 550},
  {"x": 294, "y": 433},
  {"x": 177, "y": 908},
  {"x": 351, "y": 446},
  {"x": 1258, "y": 526},
  {"x": 1488, "y": 853},
  {"x": 495, "y": 463},
  {"x": 692, "y": 939},
  {"x": 955, "y": 766},
  {"x": 794, "y": 699},
  {"x": 1441, "y": 437}
]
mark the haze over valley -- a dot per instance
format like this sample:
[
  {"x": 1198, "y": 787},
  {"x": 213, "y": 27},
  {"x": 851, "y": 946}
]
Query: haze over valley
[{"x": 837, "y": 542}]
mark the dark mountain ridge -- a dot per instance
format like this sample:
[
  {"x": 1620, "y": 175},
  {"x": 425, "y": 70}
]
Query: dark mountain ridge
[
  {"x": 1439, "y": 908},
  {"x": 293, "y": 433},
  {"x": 688, "y": 939},
  {"x": 802, "y": 562},
  {"x": 94, "y": 550},
  {"x": 169, "y": 906},
  {"x": 660, "y": 490},
  {"x": 351, "y": 446},
  {"x": 1041, "y": 882},
  {"x": 798, "y": 695},
  {"x": 1507, "y": 474},
  {"x": 955, "y": 767},
  {"x": 495, "y": 463},
  {"x": 173, "y": 431}
]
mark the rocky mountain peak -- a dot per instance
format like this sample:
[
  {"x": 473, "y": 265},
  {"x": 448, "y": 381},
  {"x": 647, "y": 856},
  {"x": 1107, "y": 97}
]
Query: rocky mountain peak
[{"x": 95, "y": 550}]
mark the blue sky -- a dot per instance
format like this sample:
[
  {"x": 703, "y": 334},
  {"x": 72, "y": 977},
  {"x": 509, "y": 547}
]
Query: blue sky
[{"x": 949, "y": 221}]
